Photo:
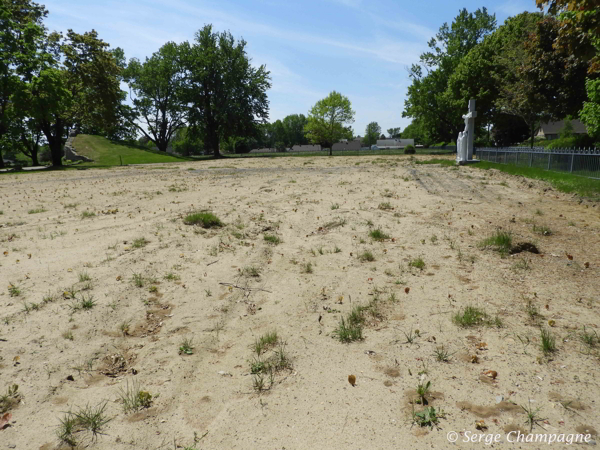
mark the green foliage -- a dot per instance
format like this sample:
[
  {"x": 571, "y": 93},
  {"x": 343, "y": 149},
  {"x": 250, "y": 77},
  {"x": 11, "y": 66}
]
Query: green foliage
[
  {"x": 547, "y": 342},
  {"x": 417, "y": 263},
  {"x": 158, "y": 85},
  {"x": 590, "y": 114},
  {"x": 327, "y": 118},
  {"x": 272, "y": 239},
  {"x": 394, "y": 132},
  {"x": 134, "y": 398},
  {"x": 378, "y": 235},
  {"x": 429, "y": 417},
  {"x": 409, "y": 150},
  {"x": 350, "y": 328},
  {"x": 204, "y": 219},
  {"x": 372, "y": 133},
  {"x": 472, "y": 316},
  {"x": 226, "y": 93},
  {"x": 500, "y": 241}
]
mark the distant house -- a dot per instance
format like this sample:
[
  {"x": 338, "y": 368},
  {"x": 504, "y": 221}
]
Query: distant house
[
  {"x": 551, "y": 130},
  {"x": 394, "y": 143},
  {"x": 345, "y": 144}
]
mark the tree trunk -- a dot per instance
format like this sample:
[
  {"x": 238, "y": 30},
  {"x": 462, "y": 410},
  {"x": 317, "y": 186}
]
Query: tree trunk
[
  {"x": 532, "y": 132},
  {"x": 56, "y": 152},
  {"x": 1, "y": 160},
  {"x": 34, "y": 156}
]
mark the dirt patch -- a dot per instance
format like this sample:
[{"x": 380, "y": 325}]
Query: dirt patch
[
  {"x": 154, "y": 321},
  {"x": 392, "y": 372},
  {"x": 585, "y": 429},
  {"x": 490, "y": 411},
  {"x": 567, "y": 402},
  {"x": 524, "y": 247}
]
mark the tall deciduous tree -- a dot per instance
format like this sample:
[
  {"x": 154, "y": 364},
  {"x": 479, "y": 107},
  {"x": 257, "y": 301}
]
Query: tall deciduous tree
[
  {"x": 294, "y": 129},
  {"x": 21, "y": 30},
  {"x": 394, "y": 132},
  {"x": 227, "y": 95},
  {"x": 426, "y": 98},
  {"x": 328, "y": 120},
  {"x": 372, "y": 133},
  {"x": 158, "y": 85}
]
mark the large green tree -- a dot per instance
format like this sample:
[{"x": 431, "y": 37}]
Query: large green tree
[
  {"x": 372, "y": 132},
  {"x": 294, "y": 130},
  {"x": 394, "y": 132},
  {"x": 329, "y": 119},
  {"x": 158, "y": 84},
  {"x": 426, "y": 99},
  {"x": 226, "y": 94},
  {"x": 21, "y": 31}
]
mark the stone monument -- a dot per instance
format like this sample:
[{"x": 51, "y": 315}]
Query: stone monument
[{"x": 464, "y": 143}]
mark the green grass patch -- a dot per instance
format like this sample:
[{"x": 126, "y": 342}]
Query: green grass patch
[
  {"x": 108, "y": 153},
  {"x": 37, "y": 211},
  {"x": 272, "y": 239},
  {"x": 471, "y": 316},
  {"x": 417, "y": 263},
  {"x": 378, "y": 235},
  {"x": 500, "y": 241},
  {"x": 204, "y": 219}
]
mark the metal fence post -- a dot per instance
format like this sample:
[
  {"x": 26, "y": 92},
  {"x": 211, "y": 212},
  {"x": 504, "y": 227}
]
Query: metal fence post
[
  {"x": 572, "y": 159},
  {"x": 530, "y": 159},
  {"x": 549, "y": 160}
]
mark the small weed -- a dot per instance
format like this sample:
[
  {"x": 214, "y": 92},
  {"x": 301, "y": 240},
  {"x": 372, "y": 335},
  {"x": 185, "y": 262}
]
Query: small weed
[
  {"x": 533, "y": 416},
  {"x": 539, "y": 212},
  {"x": 140, "y": 242},
  {"x": 85, "y": 303},
  {"x": 252, "y": 271},
  {"x": 366, "y": 256},
  {"x": 172, "y": 277},
  {"x": 10, "y": 399},
  {"x": 543, "y": 230},
  {"x": 204, "y": 219},
  {"x": 378, "y": 235},
  {"x": 87, "y": 214},
  {"x": 532, "y": 311},
  {"x": 265, "y": 342},
  {"x": 385, "y": 206},
  {"x": 68, "y": 335},
  {"x": 36, "y": 211},
  {"x": 133, "y": 398},
  {"x": 589, "y": 339},
  {"x": 434, "y": 238},
  {"x": 410, "y": 336},
  {"x": 337, "y": 222},
  {"x": 89, "y": 418},
  {"x": 441, "y": 354},
  {"x": 14, "y": 290},
  {"x": 417, "y": 263},
  {"x": 337, "y": 249},
  {"x": 153, "y": 289},
  {"x": 429, "y": 417},
  {"x": 307, "y": 268},
  {"x": 186, "y": 347},
  {"x": 350, "y": 329},
  {"x": 522, "y": 264},
  {"x": 272, "y": 239},
  {"x": 138, "y": 280},
  {"x": 124, "y": 327},
  {"x": 548, "y": 342},
  {"x": 335, "y": 206},
  {"x": 422, "y": 391},
  {"x": 208, "y": 292},
  {"x": 83, "y": 276}
]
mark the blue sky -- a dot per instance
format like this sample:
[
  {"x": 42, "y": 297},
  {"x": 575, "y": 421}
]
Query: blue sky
[{"x": 361, "y": 48}]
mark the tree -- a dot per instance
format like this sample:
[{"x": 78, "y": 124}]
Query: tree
[
  {"x": 21, "y": 30},
  {"x": 294, "y": 130},
  {"x": 416, "y": 131},
  {"x": 159, "y": 86},
  {"x": 394, "y": 132},
  {"x": 590, "y": 114},
  {"x": 372, "y": 133},
  {"x": 426, "y": 99},
  {"x": 327, "y": 118},
  {"x": 227, "y": 96}
]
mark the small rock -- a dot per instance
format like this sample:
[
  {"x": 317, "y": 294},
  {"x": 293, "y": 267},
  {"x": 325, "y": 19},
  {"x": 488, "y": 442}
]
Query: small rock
[
  {"x": 591, "y": 442},
  {"x": 499, "y": 398}
]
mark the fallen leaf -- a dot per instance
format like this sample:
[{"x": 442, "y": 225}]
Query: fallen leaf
[
  {"x": 480, "y": 425},
  {"x": 406, "y": 290},
  {"x": 4, "y": 421},
  {"x": 491, "y": 373},
  {"x": 587, "y": 265},
  {"x": 352, "y": 380},
  {"x": 570, "y": 257}
]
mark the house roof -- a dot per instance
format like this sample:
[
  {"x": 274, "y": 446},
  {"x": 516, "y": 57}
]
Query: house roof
[{"x": 556, "y": 127}]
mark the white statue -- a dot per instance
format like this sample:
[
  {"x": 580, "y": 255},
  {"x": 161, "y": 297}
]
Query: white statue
[{"x": 464, "y": 143}]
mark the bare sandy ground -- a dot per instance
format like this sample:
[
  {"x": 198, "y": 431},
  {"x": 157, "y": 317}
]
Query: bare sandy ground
[{"x": 64, "y": 357}]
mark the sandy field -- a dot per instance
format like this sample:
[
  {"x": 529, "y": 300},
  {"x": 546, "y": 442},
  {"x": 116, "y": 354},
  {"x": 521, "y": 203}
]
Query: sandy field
[{"x": 105, "y": 291}]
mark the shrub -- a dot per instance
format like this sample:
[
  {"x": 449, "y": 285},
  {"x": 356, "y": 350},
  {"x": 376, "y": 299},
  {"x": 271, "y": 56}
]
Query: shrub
[{"x": 409, "y": 150}]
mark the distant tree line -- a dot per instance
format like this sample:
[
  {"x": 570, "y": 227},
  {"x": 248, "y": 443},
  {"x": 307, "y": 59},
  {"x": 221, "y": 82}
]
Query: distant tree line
[{"x": 535, "y": 68}]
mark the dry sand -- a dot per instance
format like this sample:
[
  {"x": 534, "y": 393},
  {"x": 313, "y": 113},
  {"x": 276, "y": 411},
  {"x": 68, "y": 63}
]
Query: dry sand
[{"x": 439, "y": 214}]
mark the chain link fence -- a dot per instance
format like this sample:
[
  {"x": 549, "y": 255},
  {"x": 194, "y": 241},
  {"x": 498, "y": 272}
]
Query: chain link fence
[{"x": 583, "y": 162}]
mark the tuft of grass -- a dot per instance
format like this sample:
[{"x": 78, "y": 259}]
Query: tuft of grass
[
  {"x": 337, "y": 249},
  {"x": 422, "y": 391},
  {"x": 265, "y": 342},
  {"x": 350, "y": 329},
  {"x": 89, "y": 418},
  {"x": 14, "y": 290},
  {"x": 68, "y": 335},
  {"x": 522, "y": 264},
  {"x": 500, "y": 241},
  {"x": 378, "y": 235},
  {"x": 186, "y": 347},
  {"x": 84, "y": 276},
  {"x": 272, "y": 239},
  {"x": 134, "y": 398},
  {"x": 10, "y": 399},
  {"x": 548, "y": 342},
  {"x": 138, "y": 280},
  {"x": 542, "y": 229},
  {"x": 532, "y": 310},
  {"x": 385, "y": 206},
  {"x": 36, "y": 211},
  {"x": 204, "y": 219},
  {"x": 429, "y": 417},
  {"x": 366, "y": 256},
  {"x": 589, "y": 339},
  {"x": 472, "y": 316},
  {"x": 335, "y": 206},
  {"x": 441, "y": 354},
  {"x": 335, "y": 223},
  {"x": 87, "y": 214},
  {"x": 140, "y": 242},
  {"x": 172, "y": 277},
  {"x": 252, "y": 271},
  {"x": 417, "y": 263},
  {"x": 307, "y": 268},
  {"x": 533, "y": 415}
]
